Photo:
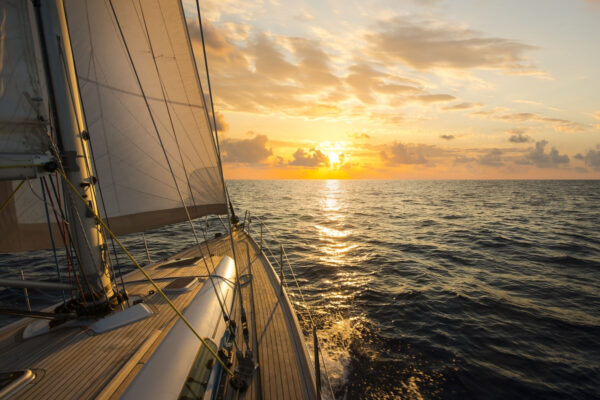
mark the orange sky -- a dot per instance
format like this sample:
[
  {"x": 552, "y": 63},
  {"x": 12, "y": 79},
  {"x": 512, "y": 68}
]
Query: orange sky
[{"x": 410, "y": 89}]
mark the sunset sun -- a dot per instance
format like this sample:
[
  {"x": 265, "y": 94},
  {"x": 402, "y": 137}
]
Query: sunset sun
[{"x": 334, "y": 159}]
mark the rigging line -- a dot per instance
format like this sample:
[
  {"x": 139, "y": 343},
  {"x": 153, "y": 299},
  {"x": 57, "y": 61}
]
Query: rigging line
[
  {"x": 222, "y": 306},
  {"x": 82, "y": 122},
  {"x": 61, "y": 168},
  {"x": 12, "y": 195},
  {"x": 67, "y": 231},
  {"x": 219, "y": 163},
  {"x": 52, "y": 237},
  {"x": 143, "y": 271},
  {"x": 237, "y": 274},
  {"x": 159, "y": 136},
  {"x": 214, "y": 142},
  {"x": 212, "y": 106},
  {"x": 89, "y": 247},
  {"x": 91, "y": 147},
  {"x": 61, "y": 228}
]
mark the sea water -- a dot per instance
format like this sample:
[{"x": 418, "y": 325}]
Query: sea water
[{"x": 423, "y": 289}]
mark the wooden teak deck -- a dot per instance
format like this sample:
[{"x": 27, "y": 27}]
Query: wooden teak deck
[{"x": 74, "y": 363}]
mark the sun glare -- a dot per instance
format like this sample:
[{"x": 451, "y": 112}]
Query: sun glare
[
  {"x": 334, "y": 158},
  {"x": 335, "y": 153}
]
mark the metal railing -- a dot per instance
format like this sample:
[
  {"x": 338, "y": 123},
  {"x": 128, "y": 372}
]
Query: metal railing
[{"x": 285, "y": 268}]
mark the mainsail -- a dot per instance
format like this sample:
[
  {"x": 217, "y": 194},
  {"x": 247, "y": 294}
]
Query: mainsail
[
  {"x": 24, "y": 127},
  {"x": 145, "y": 114},
  {"x": 23, "y": 105}
]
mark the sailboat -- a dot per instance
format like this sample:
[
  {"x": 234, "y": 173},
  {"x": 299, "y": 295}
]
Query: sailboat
[{"x": 105, "y": 130}]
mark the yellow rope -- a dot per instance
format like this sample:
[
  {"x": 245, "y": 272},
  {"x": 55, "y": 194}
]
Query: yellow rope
[
  {"x": 158, "y": 289},
  {"x": 12, "y": 195}
]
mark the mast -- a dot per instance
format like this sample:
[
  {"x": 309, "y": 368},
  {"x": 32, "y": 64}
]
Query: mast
[{"x": 73, "y": 142}]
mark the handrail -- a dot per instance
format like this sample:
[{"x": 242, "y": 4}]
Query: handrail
[{"x": 280, "y": 263}]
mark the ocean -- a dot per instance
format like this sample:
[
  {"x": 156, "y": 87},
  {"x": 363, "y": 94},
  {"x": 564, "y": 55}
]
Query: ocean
[{"x": 426, "y": 289}]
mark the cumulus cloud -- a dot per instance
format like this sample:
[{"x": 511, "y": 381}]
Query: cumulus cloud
[
  {"x": 400, "y": 153},
  {"x": 311, "y": 158},
  {"x": 248, "y": 151},
  {"x": 461, "y": 106},
  {"x": 520, "y": 138},
  {"x": 592, "y": 158},
  {"x": 538, "y": 157},
  {"x": 493, "y": 158},
  {"x": 447, "y": 137},
  {"x": 430, "y": 44},
  {"x": 222, "y": 125},
  {"x": 517, "y": 135}
]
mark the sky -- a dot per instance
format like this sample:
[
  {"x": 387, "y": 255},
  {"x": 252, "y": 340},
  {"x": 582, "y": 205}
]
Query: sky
[{"x": 405, "y": 89}]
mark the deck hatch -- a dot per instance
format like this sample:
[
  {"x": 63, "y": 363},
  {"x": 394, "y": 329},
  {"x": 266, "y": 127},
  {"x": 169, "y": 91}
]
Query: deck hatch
[
  {"x": 182, "y": 284},
  {"x": 185, "y": 262}
]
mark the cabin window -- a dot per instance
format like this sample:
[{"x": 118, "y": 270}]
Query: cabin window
[
  {"x": 11, "y": 381},
  {"x": 197, "y": 379}
]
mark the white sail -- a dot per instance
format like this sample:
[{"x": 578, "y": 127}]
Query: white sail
[
  {"x": 145, "y": 112},
  {"x": 23, "y": 128},
  {"x": 23, "y": 105},
  {"x": 138, "y": 147}
]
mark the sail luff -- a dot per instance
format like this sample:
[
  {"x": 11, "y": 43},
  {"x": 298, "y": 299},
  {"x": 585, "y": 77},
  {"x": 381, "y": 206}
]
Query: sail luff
[{"x": 87, "y": 237}]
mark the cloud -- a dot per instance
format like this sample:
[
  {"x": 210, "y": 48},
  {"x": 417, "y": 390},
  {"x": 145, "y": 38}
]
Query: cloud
[
  {"x": 461, "y": 106},
  {"x": 538, "y": 157},
  {"x": 429, "y": 44},
  {"x": 311, "y": 158},
  {"x": 400, "y": 153},
  {"x": 434, "y": 98},
  {"x": 517, "y": 135},
  {"x": 447, "y": 137},
  {"x": 493, "y": 158},
  {"x": 359, "y": 135},
  {"x": 558, "y": 124},
  {"x": 366, "y": 82},
  {"x": 592, "y": 158},
  {"x": 463, "y": 160},
  {"x": 222, "y": 125},
  {"x": 304, "y": 16},
  {"x": 248, "y": 151}
]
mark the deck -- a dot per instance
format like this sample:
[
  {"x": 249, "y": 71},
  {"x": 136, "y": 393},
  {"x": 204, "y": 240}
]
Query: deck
[{"x": 74, "y": 363}]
